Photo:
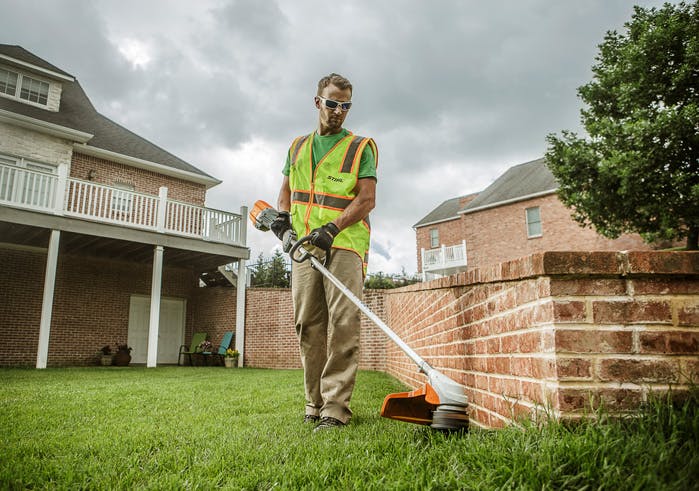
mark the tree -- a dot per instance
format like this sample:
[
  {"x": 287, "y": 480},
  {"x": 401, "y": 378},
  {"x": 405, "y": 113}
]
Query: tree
[
  {"x": 271, "y": 273},
  {"x": 382, "y": 281},
  {"x": 638, "y": 170},
  {"x": 279, "y": 276},
  {"x": 260, "y": 272}
]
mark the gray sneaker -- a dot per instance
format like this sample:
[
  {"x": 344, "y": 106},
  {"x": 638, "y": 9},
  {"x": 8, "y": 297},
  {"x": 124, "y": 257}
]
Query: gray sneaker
[
  {"x": 328, "y": 423},
  {"x": 311, "y": 419}
]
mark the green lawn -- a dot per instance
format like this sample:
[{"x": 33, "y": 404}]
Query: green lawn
[{"x": 210, "y": 427}]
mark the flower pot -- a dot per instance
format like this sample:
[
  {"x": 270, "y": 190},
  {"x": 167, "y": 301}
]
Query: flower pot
[
  {"x": 106, "y": 360},
  {"x": 231, "y": 362},
  {"x": 122, "y": 358}
]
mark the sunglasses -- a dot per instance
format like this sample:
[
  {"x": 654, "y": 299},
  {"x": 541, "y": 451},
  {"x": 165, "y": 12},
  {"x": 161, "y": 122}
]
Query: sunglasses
[{"x": 330, "y": 104}]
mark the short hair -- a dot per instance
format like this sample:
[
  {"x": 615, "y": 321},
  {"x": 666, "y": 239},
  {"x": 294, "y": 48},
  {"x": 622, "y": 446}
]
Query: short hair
[{"x": 337, "y": 80}]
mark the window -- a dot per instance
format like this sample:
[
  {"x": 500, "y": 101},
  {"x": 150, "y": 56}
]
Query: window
[
  {"x": 8, "y": 82},
  {"x": 122, "y": 197},
  {"x": 31, "y": 89},
  {"x": 434, "y": 238},
  {"x": 34, "y": 90},
  {"x": 533, "y": 222}
]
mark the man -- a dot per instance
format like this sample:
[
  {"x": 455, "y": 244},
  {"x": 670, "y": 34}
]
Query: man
[{"x": 327, "y": 192}]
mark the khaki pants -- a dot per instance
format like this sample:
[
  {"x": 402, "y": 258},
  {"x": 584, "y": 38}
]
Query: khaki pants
[{"x": 328, "y": 325}]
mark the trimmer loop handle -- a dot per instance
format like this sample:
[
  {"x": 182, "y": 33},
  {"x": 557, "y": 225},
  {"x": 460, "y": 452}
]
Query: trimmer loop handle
[{"x": 304, "y": 254}]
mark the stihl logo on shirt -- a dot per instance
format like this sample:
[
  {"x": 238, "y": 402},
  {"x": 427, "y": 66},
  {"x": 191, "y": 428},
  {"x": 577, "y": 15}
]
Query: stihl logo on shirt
[{"x": 335, "y": 179}]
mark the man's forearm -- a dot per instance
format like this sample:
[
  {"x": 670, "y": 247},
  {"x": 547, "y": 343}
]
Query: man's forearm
[{"x": 360, "y": 207}]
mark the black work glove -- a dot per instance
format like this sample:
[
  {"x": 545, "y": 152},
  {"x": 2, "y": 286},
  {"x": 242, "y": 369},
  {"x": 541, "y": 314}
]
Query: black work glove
[
  {"x": 281, "y": 224},
  {"x": 322, "y": 237}
]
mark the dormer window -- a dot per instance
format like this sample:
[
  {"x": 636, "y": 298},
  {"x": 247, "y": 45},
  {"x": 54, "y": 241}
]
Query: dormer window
[{"x": 31, "y": 89}]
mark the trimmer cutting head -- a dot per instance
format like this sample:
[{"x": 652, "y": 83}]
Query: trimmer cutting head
[{"x": 440, "y": 404}]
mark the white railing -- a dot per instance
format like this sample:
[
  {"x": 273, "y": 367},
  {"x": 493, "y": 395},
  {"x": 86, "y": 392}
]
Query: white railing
[
  {"x": 444, "y": 257},
  {"x": 46, "y": 192},
  {"x": 86, "y": 199},
  {"x": 28, "y": 188}
]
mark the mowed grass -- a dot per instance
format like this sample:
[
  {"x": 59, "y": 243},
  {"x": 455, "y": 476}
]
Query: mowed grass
[{"x": 209, "y": 427}]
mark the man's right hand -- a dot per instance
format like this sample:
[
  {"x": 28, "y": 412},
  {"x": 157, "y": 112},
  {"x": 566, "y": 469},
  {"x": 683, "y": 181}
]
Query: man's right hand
[{"x": 281, "y": 224}]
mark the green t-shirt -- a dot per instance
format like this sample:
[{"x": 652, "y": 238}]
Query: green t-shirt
[{"x": 323, "y": 144}]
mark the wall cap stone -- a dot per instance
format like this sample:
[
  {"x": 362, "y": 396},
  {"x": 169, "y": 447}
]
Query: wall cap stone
[{"x": 621, "y": 264}]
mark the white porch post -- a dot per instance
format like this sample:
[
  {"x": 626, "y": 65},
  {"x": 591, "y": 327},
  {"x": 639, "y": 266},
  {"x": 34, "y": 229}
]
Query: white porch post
[
  {"x": 61, "y": 190},
  {"x": 42, "y": 353},
  {"x": 162, "y": 209},
  {"x": 240, "y": 311},
  {"x": 156, "y": 287}
]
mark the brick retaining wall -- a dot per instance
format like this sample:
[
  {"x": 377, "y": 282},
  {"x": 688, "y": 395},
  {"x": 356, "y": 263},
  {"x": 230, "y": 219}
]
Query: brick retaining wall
[{"x": 556, "y": 331}]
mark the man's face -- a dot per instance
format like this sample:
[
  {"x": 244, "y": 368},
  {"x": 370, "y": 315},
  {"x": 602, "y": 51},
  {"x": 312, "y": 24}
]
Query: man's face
[{"x": 330, "y": 120}]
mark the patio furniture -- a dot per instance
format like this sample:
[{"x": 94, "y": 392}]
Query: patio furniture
[
  {"x": 226, "y": 341},
  {"x": 197, "y": 339}
]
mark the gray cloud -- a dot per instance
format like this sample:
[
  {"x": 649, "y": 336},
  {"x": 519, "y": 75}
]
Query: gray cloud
[{"x": 454, "y": 92}]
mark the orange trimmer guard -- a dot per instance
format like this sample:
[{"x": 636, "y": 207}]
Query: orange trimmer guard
[{"x": 412, "y": 407}]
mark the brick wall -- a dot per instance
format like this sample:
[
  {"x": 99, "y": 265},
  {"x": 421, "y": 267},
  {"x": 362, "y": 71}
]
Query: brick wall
[
  {"x": 110, "y": 173},
  {"x": 91, "y": 304},
  {"x": 270, "y": 337},
  {"x": 213, "y": 311},
  {"x": 556, "y": 331}
]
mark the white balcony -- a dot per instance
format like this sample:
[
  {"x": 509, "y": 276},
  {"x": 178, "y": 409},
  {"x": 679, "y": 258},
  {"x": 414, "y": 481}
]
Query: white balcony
[
  {"x": 61, "y": 195},
  {"x": 443, "y": 261}
]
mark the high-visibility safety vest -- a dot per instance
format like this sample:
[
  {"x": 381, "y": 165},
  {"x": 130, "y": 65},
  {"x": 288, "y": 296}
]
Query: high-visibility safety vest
[{"x": 320, "y": 197}]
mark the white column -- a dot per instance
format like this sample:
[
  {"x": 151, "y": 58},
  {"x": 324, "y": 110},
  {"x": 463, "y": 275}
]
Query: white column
[
  {"x": 155, "y": 289},
  {"x": 42, "y": 353},
  {"x": 240, "y": 311}
]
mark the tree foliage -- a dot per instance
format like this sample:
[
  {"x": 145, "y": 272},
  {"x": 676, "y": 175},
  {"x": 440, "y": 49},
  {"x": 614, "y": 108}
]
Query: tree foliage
[
  {"x": 271, "y": 273},
  {"x": 381, "y": 281},
  {"x": 638, "y": 169}
]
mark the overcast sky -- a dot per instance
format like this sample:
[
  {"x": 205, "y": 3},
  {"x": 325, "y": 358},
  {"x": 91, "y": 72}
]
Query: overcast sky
[{"x": 454, "y": 92}]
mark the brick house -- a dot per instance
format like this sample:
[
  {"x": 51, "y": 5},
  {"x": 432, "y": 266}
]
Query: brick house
[
  {"x": 104, "y": 236},
  {"x": 517, "y": 215}
]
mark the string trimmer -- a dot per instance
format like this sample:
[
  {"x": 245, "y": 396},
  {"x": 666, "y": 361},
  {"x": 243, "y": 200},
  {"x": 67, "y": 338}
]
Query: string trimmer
[{"x": 441, "y": 403}]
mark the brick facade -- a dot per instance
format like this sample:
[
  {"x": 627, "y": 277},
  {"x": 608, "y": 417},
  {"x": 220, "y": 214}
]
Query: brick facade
[
  {"x": 499, "y": 234},
  {"x": 91, "y": 304},
  {"x": 144, "y": 181}
]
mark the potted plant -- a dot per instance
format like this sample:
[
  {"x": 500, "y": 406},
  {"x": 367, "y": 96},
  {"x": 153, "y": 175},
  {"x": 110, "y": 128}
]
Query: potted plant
[
  {"x": 122, "y": 358},
  {"x": 231, "y": 358},
  {"x": 106, "y": 356},
  {"x": 205, "y": 347}
]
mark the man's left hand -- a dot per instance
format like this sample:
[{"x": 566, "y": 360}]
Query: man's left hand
[{"x": 323, "y": 237}]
